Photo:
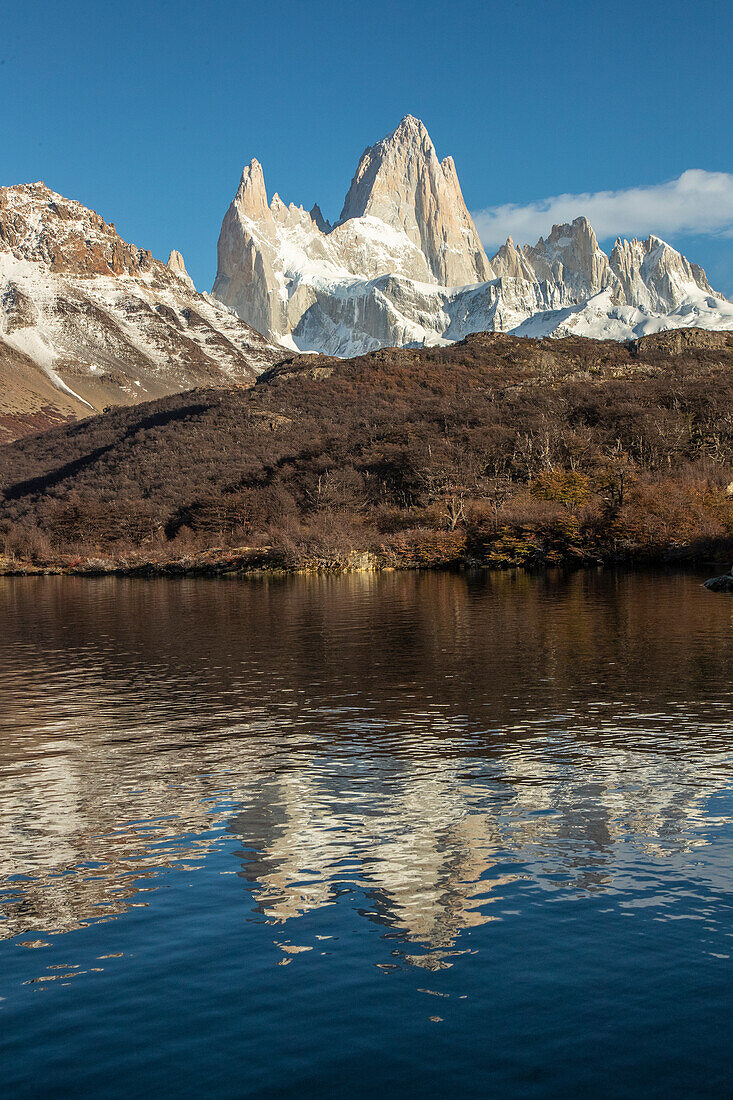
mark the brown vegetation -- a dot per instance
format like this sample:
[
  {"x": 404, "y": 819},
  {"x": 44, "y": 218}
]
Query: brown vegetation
[{"x": 495, "y": 451}]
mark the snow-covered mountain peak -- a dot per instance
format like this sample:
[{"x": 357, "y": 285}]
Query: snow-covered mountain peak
[
  {"x": 88, "y": 320},
  {"x": 404, "y": 264},
  {"x": 571, "y": 255},
  {"x": 656, "y": 277},
  {"x": 403, "y": 216}
]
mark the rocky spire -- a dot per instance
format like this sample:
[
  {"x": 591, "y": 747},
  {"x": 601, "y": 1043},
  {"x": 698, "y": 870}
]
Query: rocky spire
[
  {"x": 178, "y": 267},
  {"x": 251, "y": 197},
  {"x": 401, "y": 181},
  {"x": 511, "y": 262},
  {"x": 319, "y": 219},
  {"x": 246, "y": 279}
]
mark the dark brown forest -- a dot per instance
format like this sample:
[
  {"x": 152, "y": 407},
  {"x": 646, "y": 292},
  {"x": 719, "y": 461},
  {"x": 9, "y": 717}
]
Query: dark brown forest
[{"x": 496, "y": 451}]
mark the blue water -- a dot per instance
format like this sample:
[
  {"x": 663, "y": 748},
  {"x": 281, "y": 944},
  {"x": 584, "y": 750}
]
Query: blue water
[{"x": 336, "y": 837}]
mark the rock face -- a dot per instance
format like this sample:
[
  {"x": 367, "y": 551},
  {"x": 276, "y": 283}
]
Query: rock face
[
  {"x": 88, "y": 320},
  {"x": 401, "y": 182},
  {"x": 572, "y": 258},
  {"x": 404, "y": 265}
]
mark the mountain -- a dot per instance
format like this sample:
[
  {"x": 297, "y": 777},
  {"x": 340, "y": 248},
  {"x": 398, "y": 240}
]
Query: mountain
[
  {"x": 401, "y": 182},
  {"x": 88, "y": 320},
  {"x": 493, "y": 450},
  {"x": 404, "y": 266}
]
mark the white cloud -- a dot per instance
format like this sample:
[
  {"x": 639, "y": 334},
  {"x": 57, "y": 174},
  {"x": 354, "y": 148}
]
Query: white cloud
[{"x": 695, "y": 202}]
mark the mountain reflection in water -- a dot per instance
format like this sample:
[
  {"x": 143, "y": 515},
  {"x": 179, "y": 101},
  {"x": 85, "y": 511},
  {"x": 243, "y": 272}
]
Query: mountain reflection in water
[{"x": 415, "y": 747}]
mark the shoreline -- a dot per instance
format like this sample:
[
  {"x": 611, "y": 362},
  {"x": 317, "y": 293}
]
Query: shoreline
[{"x": 268, "y": 562}]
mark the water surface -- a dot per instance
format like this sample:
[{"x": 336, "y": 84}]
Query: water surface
[{"x": 400, "y": 834}]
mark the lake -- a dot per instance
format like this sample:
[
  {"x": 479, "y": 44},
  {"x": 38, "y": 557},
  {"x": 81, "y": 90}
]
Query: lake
[{"x": 397, "y": 834}]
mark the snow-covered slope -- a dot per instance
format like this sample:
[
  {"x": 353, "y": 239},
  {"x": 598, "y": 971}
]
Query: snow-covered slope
[
  {"x": 96, "y": 321},
  {"x": 404, "y": 265}
]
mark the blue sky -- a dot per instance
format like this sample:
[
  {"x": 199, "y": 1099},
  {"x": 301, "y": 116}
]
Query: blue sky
[{"x": 147, "y": 111}]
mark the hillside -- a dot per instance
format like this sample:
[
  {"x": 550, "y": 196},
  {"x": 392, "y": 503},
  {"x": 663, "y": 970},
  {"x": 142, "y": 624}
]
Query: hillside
[
  {"x": 88, "y": 320},
  {"x": 496, "y": 451}
]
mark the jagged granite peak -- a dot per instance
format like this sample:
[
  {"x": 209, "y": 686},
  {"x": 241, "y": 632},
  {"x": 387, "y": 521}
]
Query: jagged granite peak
[
  {"x": 401, "y": 181},
  {"x": 404, "y": 265},
  {"x": 245, "y": 278},
  {"x": 273, "y": 257},
  {"x": 511, "y": 262},
  {"x": 178, "y": 267},
  {"x": 648, "y": 275},
  {"x": 654, "y": 276},
  {"x": 275, "y": 262},
  {"x": 251, "y": 197},
  {"x": 88, "y": 320},
  {"x": 571, "y": 255}
]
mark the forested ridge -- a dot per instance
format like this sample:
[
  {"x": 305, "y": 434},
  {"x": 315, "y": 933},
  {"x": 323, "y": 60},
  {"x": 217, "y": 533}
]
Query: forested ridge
[{"x": 493, "y": 451}]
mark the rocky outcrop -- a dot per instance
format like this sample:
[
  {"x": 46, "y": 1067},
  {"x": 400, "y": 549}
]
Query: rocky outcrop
[
  {"x": 684, "y": 341},
  {"x": 88, "y": 320},
  {"x": 720, "y": 584},
  {"x": 18, "y": 307}
]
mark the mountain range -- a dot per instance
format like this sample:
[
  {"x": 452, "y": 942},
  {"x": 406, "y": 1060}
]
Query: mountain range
[
  {"x": 88, "y": 320},
  {"x": 404, "y": 265}
]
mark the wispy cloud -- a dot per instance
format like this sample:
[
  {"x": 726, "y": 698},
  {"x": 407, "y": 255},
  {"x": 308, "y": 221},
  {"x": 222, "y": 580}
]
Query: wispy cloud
[{"x": 695, "y": 202}]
